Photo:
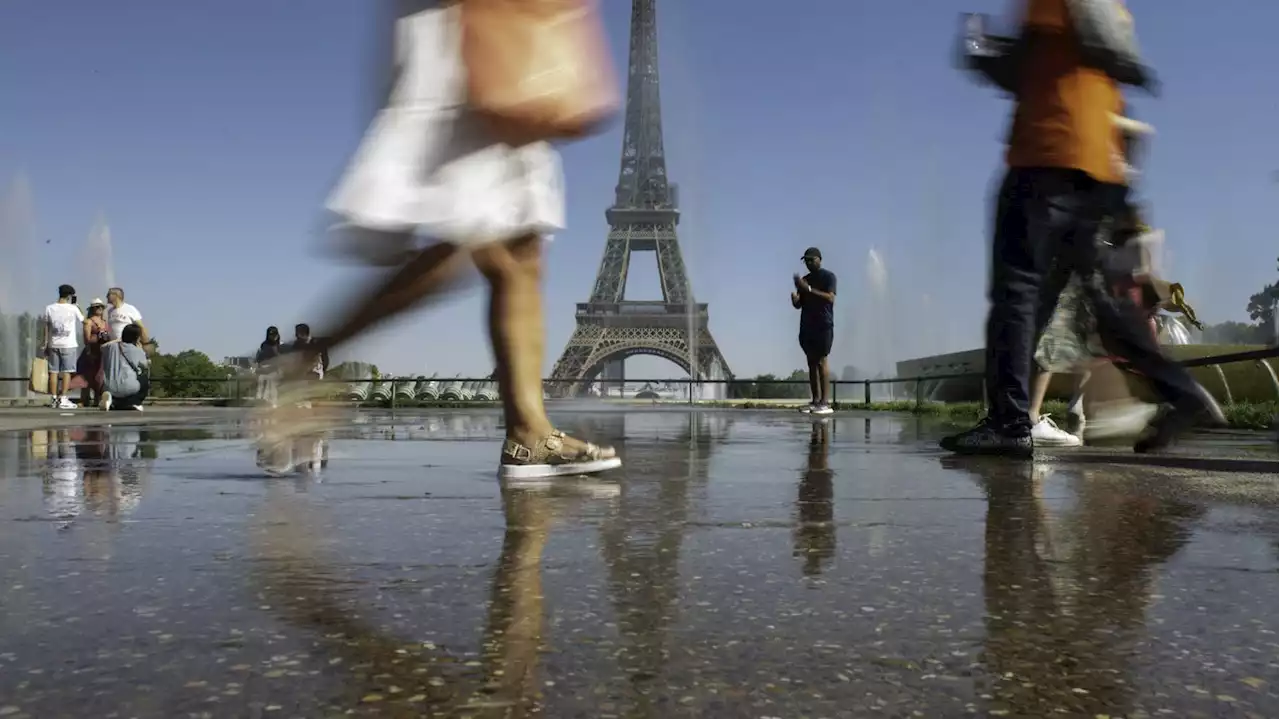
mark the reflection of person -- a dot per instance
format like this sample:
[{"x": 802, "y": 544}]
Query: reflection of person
[
  {"x": 61, "y": 326},
  {"x": 1069, "y": 598},
  {"x": 63, "y": 485},
  {"x": 125, "y": 383},
  {"x": 513, "y": 635},
  {"x": 1061, "y": 156},
  {"x": 815, "y": 297},
  {"x": 815, "y": 533},
  {"x": 429, "y": 167}
]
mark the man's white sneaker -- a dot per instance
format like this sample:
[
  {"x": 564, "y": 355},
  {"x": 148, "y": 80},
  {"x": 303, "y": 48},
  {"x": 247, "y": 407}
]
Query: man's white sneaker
[
  {"x": 1127, "y": 421},
  {"x": 65, "y": 403},
  {"x": 808, "y": 408},
  {"x": 1046, "y": 434},
  {"x": 104, "y": 402},
  {"x": 822, "y": 408}
]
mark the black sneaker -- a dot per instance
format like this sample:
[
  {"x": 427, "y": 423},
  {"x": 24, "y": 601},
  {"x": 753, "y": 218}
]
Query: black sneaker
[
  {"x": 1170, "y": 422},
  {"x": 991, "y": 438}
]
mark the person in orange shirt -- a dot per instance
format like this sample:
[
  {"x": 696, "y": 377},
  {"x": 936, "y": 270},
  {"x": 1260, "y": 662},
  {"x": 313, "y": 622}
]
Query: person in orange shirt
[{"x": 1063, "y": 181}]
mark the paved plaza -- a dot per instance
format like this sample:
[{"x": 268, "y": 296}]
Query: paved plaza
[{"x": 740, "y": 564}]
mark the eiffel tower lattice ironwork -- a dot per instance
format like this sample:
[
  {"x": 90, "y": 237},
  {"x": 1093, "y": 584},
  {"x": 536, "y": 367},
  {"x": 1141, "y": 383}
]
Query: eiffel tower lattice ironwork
[{"x": 643, "y": 218}]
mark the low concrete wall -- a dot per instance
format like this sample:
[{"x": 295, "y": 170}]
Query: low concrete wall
[
  {"x": 949, "y": 390},
  {"x": 1248, "y": 381}
]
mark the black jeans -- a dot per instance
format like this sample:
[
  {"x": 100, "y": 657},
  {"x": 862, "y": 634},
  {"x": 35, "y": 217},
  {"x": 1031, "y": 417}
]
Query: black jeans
[
  {"x": 137, "y": 398},
  {"x": 1046, "y": 225}
]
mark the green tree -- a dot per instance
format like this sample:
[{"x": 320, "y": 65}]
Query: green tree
[
  {"x": 1236, "y": 333},
  {"x": 1262, "y": 309},
  {"x": 189, "y": 373},
  {"x": 768, "y": 386}
]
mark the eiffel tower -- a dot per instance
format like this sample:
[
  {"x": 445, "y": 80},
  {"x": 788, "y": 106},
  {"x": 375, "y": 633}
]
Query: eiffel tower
[{"x": 643, "y": 218}]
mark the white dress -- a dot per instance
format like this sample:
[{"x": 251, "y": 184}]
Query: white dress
[{"x": 426, "y": 165}]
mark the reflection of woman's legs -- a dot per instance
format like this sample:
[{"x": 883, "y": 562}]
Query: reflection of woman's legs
[{"x": 514, "y": 272}]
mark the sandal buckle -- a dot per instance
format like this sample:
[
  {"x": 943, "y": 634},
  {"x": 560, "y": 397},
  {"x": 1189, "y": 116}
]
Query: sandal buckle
[{"x": 517, "y": 451}]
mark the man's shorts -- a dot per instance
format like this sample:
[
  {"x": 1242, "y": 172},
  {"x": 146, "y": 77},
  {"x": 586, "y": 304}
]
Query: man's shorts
[
  {"x": 63, "y": 359},
  {"x": 815, "y": 342}
]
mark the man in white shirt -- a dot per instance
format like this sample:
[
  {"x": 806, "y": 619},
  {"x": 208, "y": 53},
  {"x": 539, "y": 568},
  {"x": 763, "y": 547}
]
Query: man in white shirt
[
  {"x": 63, "y": 324},
  {"x": 121, "y": 314}
]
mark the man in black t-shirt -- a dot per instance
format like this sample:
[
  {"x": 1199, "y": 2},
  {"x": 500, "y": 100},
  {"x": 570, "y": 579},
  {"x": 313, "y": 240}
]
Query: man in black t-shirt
[{"x": 815, "y": 297}]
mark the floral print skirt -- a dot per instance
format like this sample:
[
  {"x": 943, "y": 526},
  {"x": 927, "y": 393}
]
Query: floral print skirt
[{"x": 1070, "y": 342}]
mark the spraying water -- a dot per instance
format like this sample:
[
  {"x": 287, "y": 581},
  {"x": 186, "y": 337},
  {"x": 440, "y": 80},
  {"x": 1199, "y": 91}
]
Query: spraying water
[
  {"x": 875, "y": 330},
  {"x": 95, "y": 270},
  {"x": 18, "y": 297}
]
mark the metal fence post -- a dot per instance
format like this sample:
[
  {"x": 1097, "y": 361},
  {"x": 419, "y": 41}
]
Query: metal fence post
[
  {"x": 866, "y": 392},
  {"x": 919, "y": 394},
  {"x": 393, "y": 394}
]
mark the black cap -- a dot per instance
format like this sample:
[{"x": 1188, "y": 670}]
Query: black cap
[
  {"x": 812, "y": 252},
  {"x": 66, "y": 290}
]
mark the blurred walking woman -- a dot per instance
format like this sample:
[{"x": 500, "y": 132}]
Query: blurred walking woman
[
  {"x": 266, "y": 365},
  {"x": 96, "y": 333},
  {"x": 457, "y": 156}
]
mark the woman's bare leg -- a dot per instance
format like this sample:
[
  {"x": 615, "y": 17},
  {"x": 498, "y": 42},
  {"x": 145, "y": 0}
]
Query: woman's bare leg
[
  {"x": 427, "y": 275},
  {"x": 1039, "y": 388},
  {"x": 516, "y": 329},
  {"x": 421, "y": 277}
]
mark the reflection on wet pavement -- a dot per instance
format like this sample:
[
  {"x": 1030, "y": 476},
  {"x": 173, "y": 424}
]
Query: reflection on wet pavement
[{"x": 739, "y": 565}]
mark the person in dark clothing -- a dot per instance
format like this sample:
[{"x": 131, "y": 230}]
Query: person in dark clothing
[
  {"x": 815, "y": 297},
  {"x": 303, "y": 345},
  {"x": 302, "y": 340},
  {"x": 267, "y": 367},
  {"x": 1064, "y": 167}
]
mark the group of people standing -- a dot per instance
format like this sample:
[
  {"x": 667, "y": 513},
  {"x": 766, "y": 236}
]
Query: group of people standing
[{"x": 104, "y": 349}]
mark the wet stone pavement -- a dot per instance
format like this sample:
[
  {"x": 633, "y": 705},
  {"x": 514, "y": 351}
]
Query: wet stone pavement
[{"x": 739, "y": 565}]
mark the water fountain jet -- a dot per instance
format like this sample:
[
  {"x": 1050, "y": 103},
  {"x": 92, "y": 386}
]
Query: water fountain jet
[{"x": 19, "y": 300}]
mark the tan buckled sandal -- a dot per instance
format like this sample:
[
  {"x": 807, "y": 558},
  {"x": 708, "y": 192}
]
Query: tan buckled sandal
[{"x": 551, "y": 458}]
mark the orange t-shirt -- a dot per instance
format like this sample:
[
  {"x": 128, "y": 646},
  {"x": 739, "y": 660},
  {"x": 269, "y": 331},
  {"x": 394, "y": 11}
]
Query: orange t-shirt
[{"x": 1063, "y": 112}]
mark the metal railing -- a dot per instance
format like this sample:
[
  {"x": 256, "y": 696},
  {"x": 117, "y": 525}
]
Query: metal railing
[{"x": 240, "y": 382}]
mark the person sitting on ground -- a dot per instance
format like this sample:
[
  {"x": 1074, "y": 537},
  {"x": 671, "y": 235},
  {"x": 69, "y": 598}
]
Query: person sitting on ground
[{"x": 124, "y": 379}]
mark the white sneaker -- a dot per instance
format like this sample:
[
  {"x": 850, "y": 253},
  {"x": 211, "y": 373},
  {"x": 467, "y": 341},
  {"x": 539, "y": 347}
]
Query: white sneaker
[
  {"x": 1128, "y": 421},
  {"x": 65, "y": 403},
  {"x": 808, "y": 408},
  {"x": 1046, "y": 434},
  {"x": 138, "y": 407},
  {"x": 822, "y": 408},
  {"x": 104, "y": 402}
]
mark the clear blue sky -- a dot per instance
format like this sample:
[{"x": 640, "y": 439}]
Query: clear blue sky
[{"x": 208, "y": 135}]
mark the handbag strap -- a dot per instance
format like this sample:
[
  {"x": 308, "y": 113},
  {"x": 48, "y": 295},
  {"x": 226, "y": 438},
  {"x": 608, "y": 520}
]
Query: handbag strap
[{"x": 124, "y": 356}]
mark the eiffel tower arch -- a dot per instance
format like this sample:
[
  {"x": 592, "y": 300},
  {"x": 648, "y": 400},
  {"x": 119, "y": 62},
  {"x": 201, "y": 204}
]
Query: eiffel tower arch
[{"x": 643, "y": 218}]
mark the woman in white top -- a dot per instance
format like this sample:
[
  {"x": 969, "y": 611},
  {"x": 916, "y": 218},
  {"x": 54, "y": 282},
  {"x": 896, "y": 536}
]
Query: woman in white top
[{"x": 427, "y": 169}]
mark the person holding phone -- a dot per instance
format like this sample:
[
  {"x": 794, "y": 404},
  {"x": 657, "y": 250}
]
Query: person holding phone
[
  {"x": 815, "y": 297},
  {"x": 62, "y": 322}
]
